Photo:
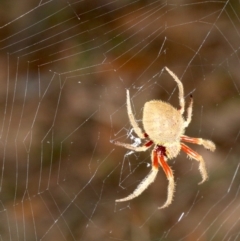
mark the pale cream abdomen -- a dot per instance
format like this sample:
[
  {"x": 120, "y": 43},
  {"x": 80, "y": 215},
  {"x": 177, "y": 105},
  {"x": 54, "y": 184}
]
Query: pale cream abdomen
[{"x": 162, "y": 122}]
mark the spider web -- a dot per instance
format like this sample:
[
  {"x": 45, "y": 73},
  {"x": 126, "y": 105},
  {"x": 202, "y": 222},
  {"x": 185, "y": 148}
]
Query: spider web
[{"x": 65, "y": 68}]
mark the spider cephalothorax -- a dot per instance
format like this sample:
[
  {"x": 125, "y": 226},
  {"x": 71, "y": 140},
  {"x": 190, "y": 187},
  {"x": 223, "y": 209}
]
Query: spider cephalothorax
[{"x": 164, "y": 127}]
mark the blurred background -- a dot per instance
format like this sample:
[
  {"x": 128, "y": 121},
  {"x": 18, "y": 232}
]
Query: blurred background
[{"x": 65, "y": 67}]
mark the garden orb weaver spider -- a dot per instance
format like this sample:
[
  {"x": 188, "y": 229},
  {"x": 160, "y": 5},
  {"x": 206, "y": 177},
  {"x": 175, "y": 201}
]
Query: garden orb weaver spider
[{"x": 164, "y": 127}]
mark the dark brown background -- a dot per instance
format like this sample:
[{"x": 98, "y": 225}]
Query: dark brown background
[{"x": 65, "y": 67}]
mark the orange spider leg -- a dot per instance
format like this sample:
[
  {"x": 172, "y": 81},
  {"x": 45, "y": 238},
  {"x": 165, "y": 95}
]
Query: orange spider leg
[
  {"x": 148, "y": 144},
  {"x": 190, "y": 140},
  {"x": 158, "y": 159},
  {"x": 196, "y": 156},
  {"x": 199, "y": 141}
]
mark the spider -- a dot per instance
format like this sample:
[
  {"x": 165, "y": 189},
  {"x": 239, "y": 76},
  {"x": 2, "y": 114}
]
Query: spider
[{"x": 164, "y": 127}]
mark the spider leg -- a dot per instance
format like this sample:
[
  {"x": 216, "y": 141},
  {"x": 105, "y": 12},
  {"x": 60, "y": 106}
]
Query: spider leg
[
  {"x": 144, "y": 184},
  {"x": 134, "y": 148},
  {"x": 133, "y": 122},
  {"x": 189, "y": 112},
  {"x": 199, "y": 141},
  {"x": 158, "y": 156},
  {"x": 180, "y": 87},
  {"x": 196, "y": 156}
]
